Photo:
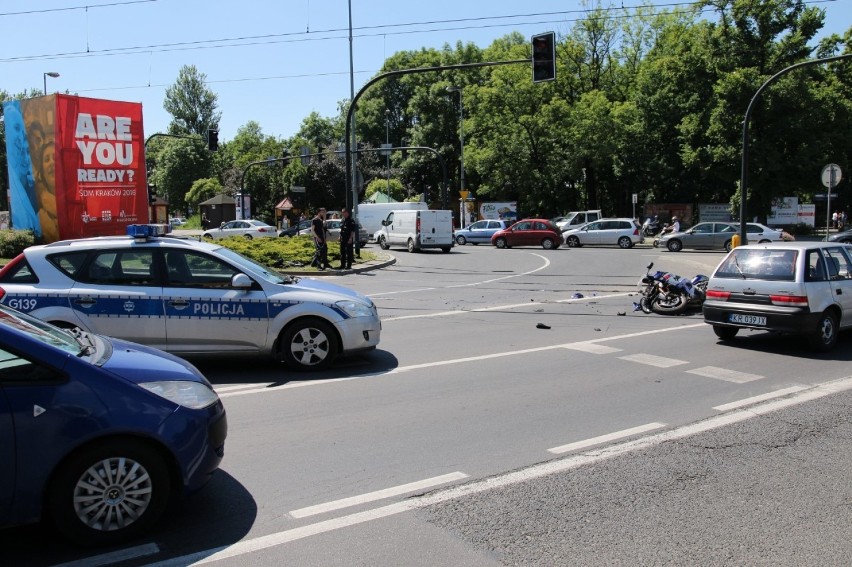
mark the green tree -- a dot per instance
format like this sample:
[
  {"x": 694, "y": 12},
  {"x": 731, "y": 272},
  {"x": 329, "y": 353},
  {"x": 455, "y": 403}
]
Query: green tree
[
  {"x": 202, "y": 190},
  {"x": 191, "y": 104}
]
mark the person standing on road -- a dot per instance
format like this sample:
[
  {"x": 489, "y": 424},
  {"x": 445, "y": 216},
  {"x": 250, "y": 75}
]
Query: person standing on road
[
  {"x": 320, "y": 259},
  {"x": 348, "y": 230},
  {"x": 205, "y": 224}
]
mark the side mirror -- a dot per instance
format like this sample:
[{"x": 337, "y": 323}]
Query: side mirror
[
  {"x": 241, "y": 281},
  {"x": 222, "y": 225}
]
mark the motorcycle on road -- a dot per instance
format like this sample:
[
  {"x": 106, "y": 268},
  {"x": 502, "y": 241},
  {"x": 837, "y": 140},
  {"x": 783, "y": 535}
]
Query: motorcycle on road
[{"x": 666, "y": 293}]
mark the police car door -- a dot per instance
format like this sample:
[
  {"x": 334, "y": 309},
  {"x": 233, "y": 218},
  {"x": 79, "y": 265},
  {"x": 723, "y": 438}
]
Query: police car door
[
  {"x": 204, "y": 312},
  {"x": 117, "y": 294}
]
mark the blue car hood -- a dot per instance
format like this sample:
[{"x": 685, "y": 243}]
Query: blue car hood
[{"x": 138, "y": 363}]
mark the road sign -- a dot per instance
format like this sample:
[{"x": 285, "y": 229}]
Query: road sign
[
  {"x": 831, "y": 175},
  {"x": 386, "y": 149},
  {"x": 464, "y": 194},
  {"x": 635, "y": 198},
  {"x": 297, "y": 189}
]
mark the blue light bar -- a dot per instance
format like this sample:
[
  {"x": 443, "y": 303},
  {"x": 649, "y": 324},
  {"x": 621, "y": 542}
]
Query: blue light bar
[{"x": 148, "y": 230}]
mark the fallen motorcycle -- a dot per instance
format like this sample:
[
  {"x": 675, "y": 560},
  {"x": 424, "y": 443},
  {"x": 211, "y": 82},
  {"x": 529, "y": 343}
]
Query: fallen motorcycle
[{"x": 666, "y": 293}]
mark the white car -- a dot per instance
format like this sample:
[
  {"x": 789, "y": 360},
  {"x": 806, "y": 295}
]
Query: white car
[
  {"x": 332, "y": 231},
  {"x": 623, "y": 233},
  {"x": 245, "y": 228},
  {"x": 177, "y": 221},
  {"x": 189, "y": 298},
  {"x": 802, "y": 288}
]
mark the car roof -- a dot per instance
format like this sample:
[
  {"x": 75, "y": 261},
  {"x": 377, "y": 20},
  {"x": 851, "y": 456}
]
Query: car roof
[
  {"x": 99, "y": 242},
  {"x": 793, "y": 245}
]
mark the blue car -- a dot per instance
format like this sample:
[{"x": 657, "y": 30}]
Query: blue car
[
  {"x": 479, "y": 232},
  {"x": 98, "y": 435}
]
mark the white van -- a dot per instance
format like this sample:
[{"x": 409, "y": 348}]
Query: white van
[
  {"x": 417, "y": 230},
  {"x": 371, "y": 215}
]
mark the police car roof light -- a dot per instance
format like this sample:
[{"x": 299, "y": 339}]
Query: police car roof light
[{"x": 144, "y": 231}]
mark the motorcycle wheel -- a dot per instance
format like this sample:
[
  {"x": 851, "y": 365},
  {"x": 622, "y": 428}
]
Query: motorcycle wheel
[
  {"x": 645, "y": 304},
  {"x": 669, "y": 304}
]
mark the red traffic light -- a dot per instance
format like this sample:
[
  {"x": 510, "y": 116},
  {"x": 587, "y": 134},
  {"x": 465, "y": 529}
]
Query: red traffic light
[{"x": 544, "y": 57}]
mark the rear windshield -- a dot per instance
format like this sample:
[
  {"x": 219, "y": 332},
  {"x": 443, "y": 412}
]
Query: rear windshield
[{"x": 760, "y": 264}]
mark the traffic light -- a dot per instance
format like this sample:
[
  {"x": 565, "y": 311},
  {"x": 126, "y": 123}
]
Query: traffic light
[
  {"x": 544, "y": 57},
  {"x": 152, "y": 197},
  {"x": 212, "y": 140}
]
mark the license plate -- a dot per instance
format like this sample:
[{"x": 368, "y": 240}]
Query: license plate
[{"x": 747, "y": 319}]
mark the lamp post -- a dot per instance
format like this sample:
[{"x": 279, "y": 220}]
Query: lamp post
[
  {"x": 461, "y": 150},
  {"x": 387, "y": 143},
  {"x": 53, "y": 74}
]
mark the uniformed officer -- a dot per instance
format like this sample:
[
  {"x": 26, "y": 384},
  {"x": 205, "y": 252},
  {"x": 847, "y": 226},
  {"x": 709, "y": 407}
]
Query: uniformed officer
[
  {"x": 320, "y": 259},
  {"x": 348, "y": 229}
]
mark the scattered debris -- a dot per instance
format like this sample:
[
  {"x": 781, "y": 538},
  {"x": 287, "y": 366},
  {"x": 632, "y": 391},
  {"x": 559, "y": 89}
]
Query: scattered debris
[
  {"x": 597, "y": 329},
  {"x": 542, "y": 326},
  {"x": 577, "y": 295},
  {"x": 539, "y": 310},
  {"x": 621, "y": 313}
]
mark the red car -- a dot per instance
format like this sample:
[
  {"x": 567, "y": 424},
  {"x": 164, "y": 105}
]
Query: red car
[{"x": 529, "y": 232}]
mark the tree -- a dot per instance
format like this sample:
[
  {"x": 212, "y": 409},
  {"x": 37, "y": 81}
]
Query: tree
[
  {"x": 202, "y": 190},
  {"x": 191, "y": 104}
]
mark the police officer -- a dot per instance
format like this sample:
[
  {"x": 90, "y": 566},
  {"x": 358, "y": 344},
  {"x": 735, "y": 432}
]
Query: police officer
[
  {"x": 348, "y": 230},
  {"x": 320, "y": 259}
]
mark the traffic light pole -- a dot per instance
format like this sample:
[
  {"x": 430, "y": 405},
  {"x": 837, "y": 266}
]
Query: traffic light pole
[
  {"x": 744, "y": 169},
  {"x": 351, "y": 195}
]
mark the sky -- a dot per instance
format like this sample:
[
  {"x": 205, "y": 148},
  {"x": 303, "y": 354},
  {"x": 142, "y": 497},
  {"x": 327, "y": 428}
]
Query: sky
[{"x": 271, "y": 61}]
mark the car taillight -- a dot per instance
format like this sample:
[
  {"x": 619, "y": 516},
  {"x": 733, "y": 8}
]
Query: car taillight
[
  {"x": 261, "y": 230},
  {"x": 417, "y": 226},
  {"x": 635, "y": 232},
  {"x": 789, "y": 300},
  {"x": 716, "y": 294}
]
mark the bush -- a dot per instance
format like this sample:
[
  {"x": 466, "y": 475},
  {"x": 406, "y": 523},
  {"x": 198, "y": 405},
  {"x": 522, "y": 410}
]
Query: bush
[
  {"x": 285, "y": 253},
  {"x": 13, "y": 242}
]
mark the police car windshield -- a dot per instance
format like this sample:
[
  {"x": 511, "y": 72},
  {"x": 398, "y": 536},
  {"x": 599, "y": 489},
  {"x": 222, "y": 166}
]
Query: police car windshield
[{"x": 259, "y": 270}]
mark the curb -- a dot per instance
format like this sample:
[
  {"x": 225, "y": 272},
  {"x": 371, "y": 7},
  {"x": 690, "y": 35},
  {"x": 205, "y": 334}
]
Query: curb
[{"x": 383, "y": 259}]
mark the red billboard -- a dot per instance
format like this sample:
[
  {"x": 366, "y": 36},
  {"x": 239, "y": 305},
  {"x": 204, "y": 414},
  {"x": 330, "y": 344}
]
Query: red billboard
[{"x": 78, "y": 167}]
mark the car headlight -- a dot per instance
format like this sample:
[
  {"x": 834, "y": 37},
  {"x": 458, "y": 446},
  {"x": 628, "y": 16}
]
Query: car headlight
[
  {"x": 194, "y": 395},
  {"x": 355, "y": 308}
]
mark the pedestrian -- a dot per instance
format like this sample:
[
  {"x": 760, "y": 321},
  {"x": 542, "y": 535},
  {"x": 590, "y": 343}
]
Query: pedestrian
[
  {"x": 348, "y": 230},
  {"x": 320, "y": 259},
  {"x": 834, "y": 219},
  {"x": 205, "y": 224}
]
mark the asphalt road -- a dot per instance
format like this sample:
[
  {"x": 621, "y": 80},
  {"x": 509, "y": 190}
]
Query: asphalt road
[{"x": 518, "y": 411}]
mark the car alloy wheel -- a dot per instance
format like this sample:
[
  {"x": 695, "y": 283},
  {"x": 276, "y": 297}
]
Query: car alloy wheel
[
  {"x": 573, "y": 241},
  {"x": 501, "y": 243},
  {"x": 461, "y": 240},
  {"x": 109, "y": 493},
  {"x": 547, "y": 244},
  {"x": 625, "y": 242},
  {"x": 309, "y": 344},
  {"x": 825, "y": 336},
  {"x": 674, "y": 245}
]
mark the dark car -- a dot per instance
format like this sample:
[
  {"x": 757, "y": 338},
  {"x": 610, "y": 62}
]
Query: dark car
[
  {"x": 97, "y": 434},
  {"x": 529, "y": 232},
  {"x": 294, "y": 229}
]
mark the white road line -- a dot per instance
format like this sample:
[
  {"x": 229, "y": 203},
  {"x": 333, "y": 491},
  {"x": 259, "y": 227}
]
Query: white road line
[
  {"x": 593, "y": 348},
  {"x": 543, "y": 266},
  {"x": 725, "y": 374},
  {"x": 606, "y": 438},
  {"x": 269, "y": 388},
  {"x": 761, "y": 398},
  {"x": 516, "y": 477},
  {"x": 220, "y": 389},
  {"x": 377, "y": 495},
  {"x": 653, "y": 360},
  {"x": 115, "y": 556},
  {"x": 502, "y": 307}
]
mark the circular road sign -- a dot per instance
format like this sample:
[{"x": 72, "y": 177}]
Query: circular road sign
[{"x": 831, "y": 175}]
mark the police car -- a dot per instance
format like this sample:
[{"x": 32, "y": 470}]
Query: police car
[{"x": 188, "y": 298}]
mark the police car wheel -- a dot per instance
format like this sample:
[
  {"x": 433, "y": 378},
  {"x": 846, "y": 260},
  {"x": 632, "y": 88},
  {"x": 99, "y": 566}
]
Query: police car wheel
[{"x": 309, "y": 344}]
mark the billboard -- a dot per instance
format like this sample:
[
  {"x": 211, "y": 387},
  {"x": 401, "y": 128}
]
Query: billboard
[
  {"x": 76, "y": 166},
  {"x": 507, "y": 211}
]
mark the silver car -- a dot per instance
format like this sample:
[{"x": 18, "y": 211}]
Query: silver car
[
  {"x": 606, "y": 232},
  {"x": 479, "y": 232},
  {"x": 717, "y": 236},
  {"x": 245, "y": 228},
  {"x": 792, "y": 287}
]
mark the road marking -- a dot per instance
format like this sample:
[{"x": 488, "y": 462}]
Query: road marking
[
  {"x": 221, "y": 389},
  {"x": 536, "y": 471},
  {"x": 606, "y": 438},
  {"x": 377, "y": 495},
  {"x": 503, "y": 307},
  {"x": 543, "y": 266},
  {"x": 653, "y": 360},
  {"x": 260, "y": 388},
  {"x": 593, "y": 348},
  {"x": 115, "y": 556},
  {"x": 760, "y": 398},
  {"x": 725, "y": 374}
]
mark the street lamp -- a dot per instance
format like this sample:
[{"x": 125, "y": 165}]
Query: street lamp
[
  {"x": 53, "y": 74},
  {"x": 387, "y": 143},
  {"x": 461, "y": 148}
]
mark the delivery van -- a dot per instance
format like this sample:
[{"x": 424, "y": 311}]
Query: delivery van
[
  {"x": 371, "y": 215},
  {"x": 417, "y": 230}
]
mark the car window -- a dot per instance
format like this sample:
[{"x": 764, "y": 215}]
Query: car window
[
  {"x": 703, "y": 228},
  {"x": 20, "y": 272},
  {"x": 185, "y": 268},
  {"x": 814, "y": 267},
  {"x": 540, "y": 226},
  {"x": 124, "y": 267},
  {"x": 838, "y": 264},
  {"x": 759, "y": 264},
  {"x": 524, "y": 225},
  {"x": 70, "y": 264},
  {"x": 594, "y": 226}
]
